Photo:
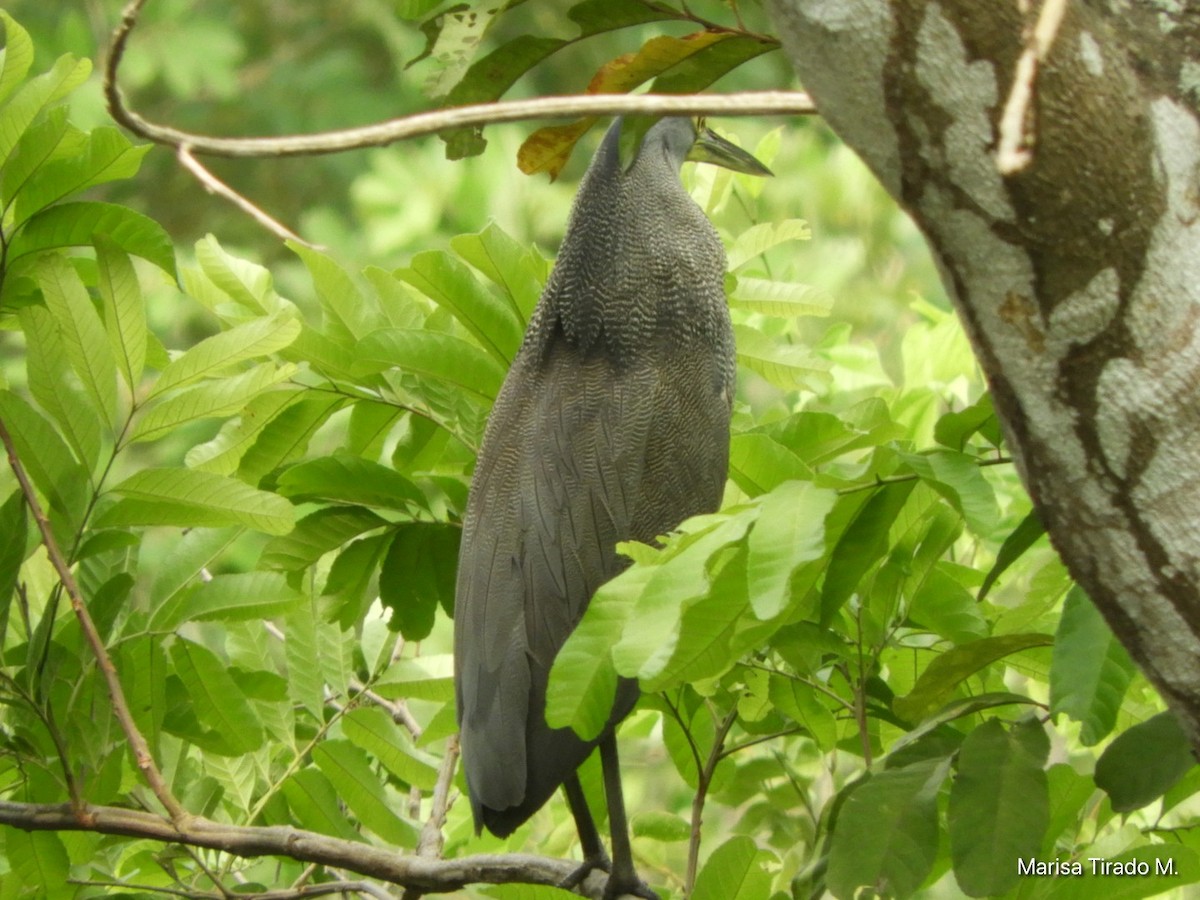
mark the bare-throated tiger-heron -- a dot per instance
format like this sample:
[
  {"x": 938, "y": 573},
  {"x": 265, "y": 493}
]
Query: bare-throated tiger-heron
[{"x": 612, "y": 425}]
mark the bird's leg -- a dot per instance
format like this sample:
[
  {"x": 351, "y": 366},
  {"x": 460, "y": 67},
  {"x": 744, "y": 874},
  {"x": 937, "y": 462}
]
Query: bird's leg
[
  {"x": 623, "y": 878},
  {"x": 594, "y": 856}
]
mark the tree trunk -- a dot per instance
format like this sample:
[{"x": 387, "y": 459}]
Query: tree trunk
[{"x": 1077, "y": 277}]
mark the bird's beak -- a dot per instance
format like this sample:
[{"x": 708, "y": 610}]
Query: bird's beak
[{"x": 710, "y": 147}]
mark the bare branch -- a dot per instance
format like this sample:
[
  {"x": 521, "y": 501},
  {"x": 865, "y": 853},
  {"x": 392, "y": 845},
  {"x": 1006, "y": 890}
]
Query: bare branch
[
  {"x": 427, "y": 875},
  {"x": 431, "y": 841},
  {"x": 751, "y": 103},
  {"x": 1014, "y": 151},
  {"x": 215, "y": 185},
  {"x": 116, "y": 695}
]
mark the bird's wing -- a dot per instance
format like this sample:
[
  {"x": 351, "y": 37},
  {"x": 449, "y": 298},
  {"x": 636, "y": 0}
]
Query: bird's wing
[{"x": 553, "y": 493}]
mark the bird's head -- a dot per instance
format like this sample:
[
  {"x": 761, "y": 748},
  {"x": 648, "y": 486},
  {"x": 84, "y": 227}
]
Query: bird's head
[{"x": 681, "y": 139}]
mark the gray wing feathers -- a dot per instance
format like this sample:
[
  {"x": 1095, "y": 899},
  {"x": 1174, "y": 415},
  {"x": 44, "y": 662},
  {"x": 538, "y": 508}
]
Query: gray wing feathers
[{"x": 572, "y": 452}]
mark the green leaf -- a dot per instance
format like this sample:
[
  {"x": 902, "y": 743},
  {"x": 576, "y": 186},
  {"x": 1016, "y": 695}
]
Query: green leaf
[
  {"x": 375, "y": 731},
  {"x": 27, "y": 101},
  {"x": 758, "y": 463},
  {"x": 39, "y": 861},
  {"x": 316, "y": 534},
  {"x": 797, "y": 700},
  {"x": 1089, "y": 669},
  {"x": 583, "y": 681},
  {"x": 237, "y": 436},
  {"x": 124, "y": 309},
  {"x": 47, "y": 139},
  {"x": 286, "y": 436},
  {"x": 658, "y": 825},
  {"x": 316, "y": 805},
  {"x": 213, "y": 399},
  {"x": 787, "y": 366},
  {"x": 142, "y": 664},
  {"x": 247, "y": 284},
  {"x": 789, "y": 531},
  {"x": 999, "y": 809},
  {"x": 1142, "y": 763},
  {"x": 231, "y": 727},
  {"x": 887, "y": 831},
  {"x": 758, "y": 239},
  {"x": 946, "y": 672},
  {"x": 83, "y": 335},
  {"x": 737, "y": 870},
  {"x": 185, "y": 497},
  {"x": 418, "y": 574},
  {"x": 449, "y": 283},
  {"x": 519, "y": 270},
  {"x": 420, "y": 678},
  {"x": 17, "y": 56},
  {"x": 76, "y": 225},
  {"x": 780, "y": 298},
  {"x": 106, "y": 155},
  {"x": 347, "y": 316},
  {"x": 434, "y": 355},
  {"x": 226, "y": 598},
  {"x": 861, "y": 545},
  {"x": 683, "y": 577},
  {"x": 1149, "y": 870},
  {"x": 56, "y": 388},
  {"x": 702, "y": 68},
  {"x": 216, "y": 355},
  {"x": 957, "y": 477},
  {"x": 183, "y": 563},
  {"x": 13, "y": 539},
  {"x": 53, "y": 470},
  {"x": 349, "y": 772},
  {"x": 347, "y": 479},
  {"x": 954, "y": 429},
  {"x": 1018, "y": 541},
  {"x": 947, "y": 608}
]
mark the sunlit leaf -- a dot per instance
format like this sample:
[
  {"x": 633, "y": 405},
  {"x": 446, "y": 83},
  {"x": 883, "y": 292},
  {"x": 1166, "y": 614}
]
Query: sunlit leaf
[{"x": 186, "y": 497}]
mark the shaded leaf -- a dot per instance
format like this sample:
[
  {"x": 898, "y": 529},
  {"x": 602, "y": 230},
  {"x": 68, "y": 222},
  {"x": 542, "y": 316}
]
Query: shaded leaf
[
  {"x": 1142, "y": 763},
  {"x": 1089, "y": 669},
  {"x": 999, "y": 808},
  {"x": 946, "y": 672},
  {"x": 887, "y": 831}
]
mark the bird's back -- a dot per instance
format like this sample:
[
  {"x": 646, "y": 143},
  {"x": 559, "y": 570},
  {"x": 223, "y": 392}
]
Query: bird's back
[{"x": 613, "y": 424}]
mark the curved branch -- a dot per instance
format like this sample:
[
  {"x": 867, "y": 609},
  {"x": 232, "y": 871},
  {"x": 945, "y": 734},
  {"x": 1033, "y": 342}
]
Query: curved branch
[
  {"x": 427, "y": 875},
  {"x": 750, "y": 103}
]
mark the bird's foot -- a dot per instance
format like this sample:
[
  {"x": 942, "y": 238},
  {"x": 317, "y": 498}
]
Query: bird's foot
[
  {"x": 589, "y": 865},
  {"x": 629, "y": 885}
]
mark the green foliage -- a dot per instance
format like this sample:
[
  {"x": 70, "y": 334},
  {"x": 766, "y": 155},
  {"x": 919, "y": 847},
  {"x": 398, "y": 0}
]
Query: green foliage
[{"x": 858, "y": 667}]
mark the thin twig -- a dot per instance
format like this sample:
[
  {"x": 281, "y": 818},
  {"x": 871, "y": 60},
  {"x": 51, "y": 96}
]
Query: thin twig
[
  {"x": 911, "y": 476},
  {"x": 215, "y": 185},
  {"x": 116, "y": 694},
  {"x": 702, "y": 785},
  {"x": 431, "y": 842},
  {"x": 431, "y": 835},
  {"x": 1014, "y": 152}
]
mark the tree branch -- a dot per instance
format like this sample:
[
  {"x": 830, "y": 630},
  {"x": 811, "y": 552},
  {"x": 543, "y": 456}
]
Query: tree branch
[
  {"x": 751, "y": 103},
  {"x": 116, "y": 694},
  {"x": 427, "y": 875}
]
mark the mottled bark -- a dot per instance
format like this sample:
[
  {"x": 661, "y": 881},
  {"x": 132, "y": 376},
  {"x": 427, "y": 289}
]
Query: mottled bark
[{"x": 1077, "y": 278}]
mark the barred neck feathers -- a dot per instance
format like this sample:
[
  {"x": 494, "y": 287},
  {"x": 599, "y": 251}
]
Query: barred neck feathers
[{"x": 641, "y": 269}]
